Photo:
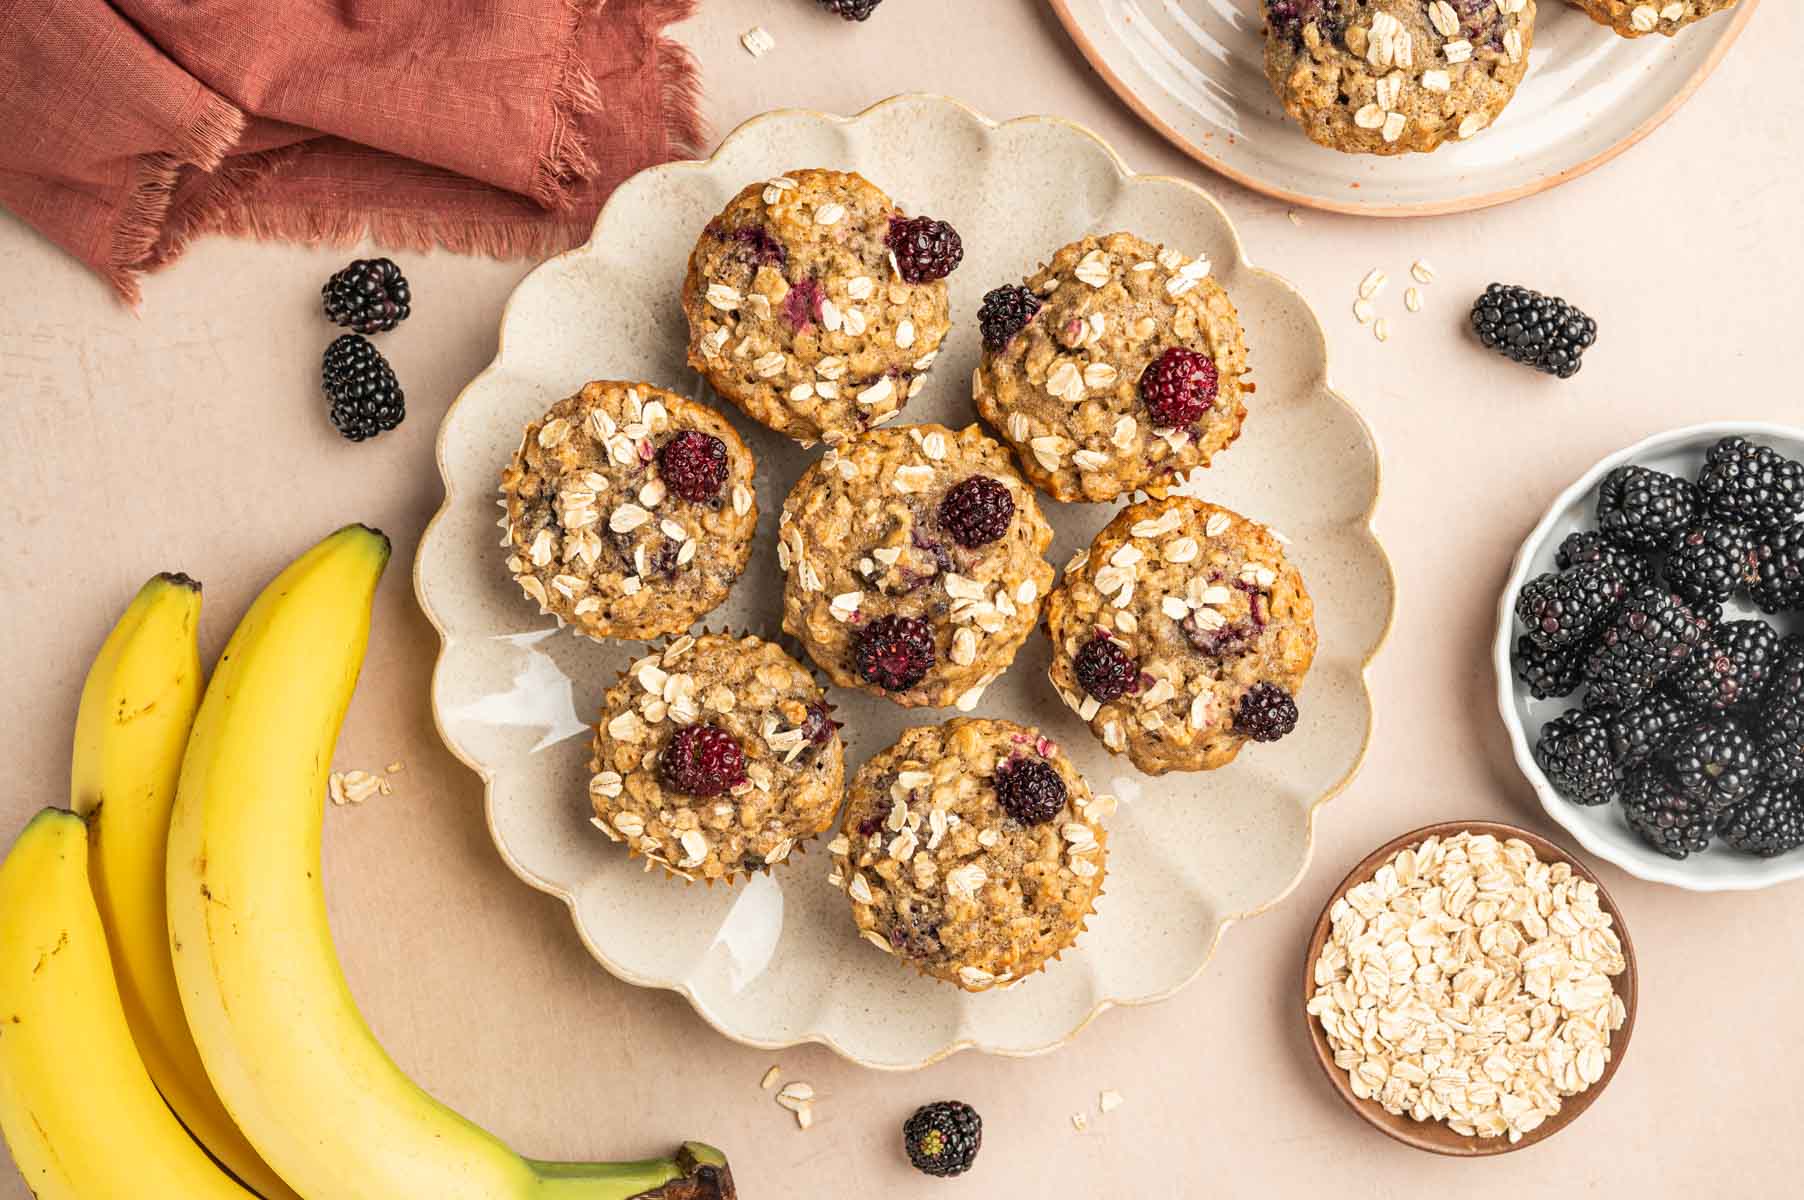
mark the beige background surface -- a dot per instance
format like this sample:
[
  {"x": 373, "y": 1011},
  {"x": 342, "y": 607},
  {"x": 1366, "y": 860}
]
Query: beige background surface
[{"x": 192, "y": 438}]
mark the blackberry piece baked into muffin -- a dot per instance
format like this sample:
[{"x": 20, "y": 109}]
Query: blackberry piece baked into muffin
[
  {"x": 1638, "y": 18},
  {"x": 629, "y": 511},
  {"x": 816, "y": 305},
  {"x": 1117, "y": 366},
  {"x": 716, "y": 757},
  {"x": 915, "y": 561},
  {"x": 1181, "y": 634},
  {"x": 1392, "y": 76},
  {"x": 973, "y": 851}
]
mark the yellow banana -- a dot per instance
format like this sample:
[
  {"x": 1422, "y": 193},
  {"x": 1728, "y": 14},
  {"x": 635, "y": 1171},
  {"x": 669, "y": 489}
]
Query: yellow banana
[
  {"x": 136, "y": 709},
  {"x": 80, "y": 1113},
  {"x": 277, "y": 1027}
]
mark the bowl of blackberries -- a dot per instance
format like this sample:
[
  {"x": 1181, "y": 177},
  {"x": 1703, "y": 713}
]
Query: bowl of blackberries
[{"x": 1650, "y": 657}]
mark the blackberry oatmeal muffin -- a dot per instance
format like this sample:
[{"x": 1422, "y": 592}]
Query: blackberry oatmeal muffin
[
  {"x": 715, "y": 758},
  {"x": 1118, "y": 366},
  {"x": 1181, "y": 634},
  {"x": 973, "y": 851},
  {"x": 1637, "y": 18},
  {"x": 629, "y": 511},
  {"x": 1392, "y": 76},
  {"x": 915, "y": 563},
  {"x": 816, "y": 305}
]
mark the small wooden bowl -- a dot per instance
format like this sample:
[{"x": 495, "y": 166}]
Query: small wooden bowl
[{"x": 1434, "y": 1136}]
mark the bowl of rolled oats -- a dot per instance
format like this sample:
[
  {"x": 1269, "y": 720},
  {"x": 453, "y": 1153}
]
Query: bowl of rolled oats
[{"x": 1470, "y": 989}]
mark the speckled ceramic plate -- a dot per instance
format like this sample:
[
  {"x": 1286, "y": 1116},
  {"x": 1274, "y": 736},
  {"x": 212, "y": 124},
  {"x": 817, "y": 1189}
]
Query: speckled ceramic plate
[
  {"x": 1603, "y": 831},
  {"x": 1194, "y": 69},
  {"x": 777, "y": 962}
]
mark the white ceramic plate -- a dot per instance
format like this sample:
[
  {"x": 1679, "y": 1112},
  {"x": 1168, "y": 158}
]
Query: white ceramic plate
[
  {"x": 1194, "y": 69},
  {"x": 1602, "y": 830},
  {"x": 777, "y": 962}
]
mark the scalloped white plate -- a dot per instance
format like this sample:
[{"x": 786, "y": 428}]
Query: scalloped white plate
[
  {"x": 776, "y": 962},
  {"x": 1195, "y": 71},
  {"x": 1603, "y": 831}
]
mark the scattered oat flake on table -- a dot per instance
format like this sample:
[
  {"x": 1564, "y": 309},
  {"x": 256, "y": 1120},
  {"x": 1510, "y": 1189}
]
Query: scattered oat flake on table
[
  {"x": 770, "y": 1078},
  {"x": 354, "y": 787},
  {"x": 1381, "y": 329},
  {"x": 757, "y": 41},
  {"x": 1373, "y": 283},
  {"x": 1109, "y": 1101},
  {"x": 1422, "y": 271},
  {"x": 1412, "y": 300},
  {"x": 1080, "y": 1122},
  {"x": 1296, "y": 218},
  {"x": 396, "y": 767}
]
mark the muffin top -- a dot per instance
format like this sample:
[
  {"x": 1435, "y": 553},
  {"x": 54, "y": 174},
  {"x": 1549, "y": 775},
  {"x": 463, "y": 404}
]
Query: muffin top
[
  {"x": 1638, "y": 18},
  {"x": 715, "y": 756},
  {"x": 629, "y": 510},
  {"x": 973, "y": 850},
  {"x": 915, "y": 563},
  {"x": 1180, "y": 634},
  {"x": 1117, "y": 366},
  {"x": 816, "y": 305}
]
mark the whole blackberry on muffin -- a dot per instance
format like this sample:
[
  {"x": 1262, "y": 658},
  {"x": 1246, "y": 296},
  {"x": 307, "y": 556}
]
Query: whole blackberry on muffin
[
  {"x": 1574, "y": 750},
  {"x": 1665, "y": 816},
  {"x": 1566, "y": 609},
  {"x": 1005, "y": 312},
  {"x": 1768, "y": 823},
  {"x": 1710, "y": 563},
  {"x": 1652, "y": 635},
  {"x": 1643, "y": 509}
]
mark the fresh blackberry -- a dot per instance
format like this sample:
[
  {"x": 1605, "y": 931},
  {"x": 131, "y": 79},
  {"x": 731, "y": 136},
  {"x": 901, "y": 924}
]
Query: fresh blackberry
[
  {"x": 1710, "y": 563},
  {"x": 1266, "y": 713},
  {"x": 1004, "y": 313},
  {"x": 1768, "y": 823},
  {"x": 1779, "y": 732},
  {"x": 1752, "y": 483},
  {"x": 1565, "y": 610},
  {"x": 851, "y": 10},
  {"x": 1652, "y": 635},
  {"x": 895, "y": 653},
  {"x": 977, "y": 511},
  {"x": 925, "y": 249},
  {"x": 1636, "y": 734},
  {"x": 1778, "y": 583},
  {"x": 1664, "y": 816},
  {"x": 1642, "y": 509},
  {"x": 943, "y": 1139},
  {"x": 366, "y": 399},
  {"x": 1574, "y": 750},
  {"x": 1030, "y": 790},
  {"x": 1588, "y": 547},
  {"x": 1548, "y": 673},
  {"x": 369, "y": 296},
  {"x": 693, "y": 464},
  {"x": 1106, "y": 670},
  {"x": 1543, "y": 332},
  {"x": 1178, "y": 388},
  {"x": 702, "y": 760},
  {"x": 1730, "y": 670},
  {"x": 1713, "y": 762}
]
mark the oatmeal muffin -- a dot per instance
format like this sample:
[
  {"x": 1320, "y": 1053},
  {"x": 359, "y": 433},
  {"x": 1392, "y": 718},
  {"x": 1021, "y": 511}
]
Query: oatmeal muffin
[
  {"x": 816, "y": 306},
  {"x": 973, "y": 851},
  {"x": 915, "y": 561},
  {"x": 1636, "y": 18},
  {"x": 716, "y": 757},
  {"x": 1392, "y": 76},
  {"x": 1181, "y": 633},
  {"x": 1119, "y": 366},
  {"x": 629, "y": 511}
]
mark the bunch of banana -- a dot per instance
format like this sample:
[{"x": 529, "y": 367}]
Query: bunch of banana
[{"x": 228, "y": 998}]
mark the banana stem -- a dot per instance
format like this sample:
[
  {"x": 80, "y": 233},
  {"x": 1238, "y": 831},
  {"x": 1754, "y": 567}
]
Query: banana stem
[{"x": 697, "y": 1172}]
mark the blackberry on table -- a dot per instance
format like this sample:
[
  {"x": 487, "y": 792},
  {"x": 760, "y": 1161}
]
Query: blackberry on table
[
  {"x": 365, "y": 397},
  {"x": 925, "y": 249},
  {"x": 1643, "y": 509},
  {"x": 1664, "y": 816},
  {"x": 1543, "y": 332},
  {"x": 1652, "y": 635},
  {"x": 1105, "y": 669},
  {"x": 1730, "y": 670},
  {"x": 1588, "y": 547},
  {"x": 977, "y": 511},
  {"x": 1568, "y": 608},
  {"x": 895, "y": 653},
  {"x": 1752, "y": 483},
  {"x": 1778, "y": 583},
  {"x": 1004, "y": 313},
  {"x": 1266, "y": 713},
  {"x": 1030, "y": 790},
  {"x": 1179, "y": 388},
  {"x": 702, "y": 760},
  {"x": 369, "y": 296},
  {"x": 1768, "y": 823},
  {"x": 1548, "y": 673},
  {"x": 1574, "y": 750},
  {"x": 1637, "y": 733},
  {"x": 1713, "y": 762},
  {"x": 943, "y": 1138},
  {"x": 1710, "y": 563}
]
